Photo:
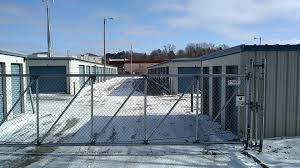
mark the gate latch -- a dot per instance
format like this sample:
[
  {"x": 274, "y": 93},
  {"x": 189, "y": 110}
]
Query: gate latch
[{"x": 240, "y": 100}]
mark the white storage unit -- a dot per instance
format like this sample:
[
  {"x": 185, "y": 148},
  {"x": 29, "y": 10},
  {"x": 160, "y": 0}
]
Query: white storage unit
[
  {"x": 11, "y": 87},
  {"x": 56, "y": 65}
]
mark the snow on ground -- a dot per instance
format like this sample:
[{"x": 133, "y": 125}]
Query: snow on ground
[
  {"x": 75, "y": 126},
  {"x": 277, "y": 152},
  {"x": 125, "y": 156}
]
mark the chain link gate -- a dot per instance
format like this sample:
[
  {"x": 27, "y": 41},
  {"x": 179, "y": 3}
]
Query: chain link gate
[
  {"x": 255, "y": 120},
  {"x": 135, "y": 109}
]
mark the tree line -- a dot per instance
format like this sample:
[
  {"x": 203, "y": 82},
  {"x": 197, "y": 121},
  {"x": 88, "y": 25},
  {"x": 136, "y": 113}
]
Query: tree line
[{"x": 169, "y": 51}]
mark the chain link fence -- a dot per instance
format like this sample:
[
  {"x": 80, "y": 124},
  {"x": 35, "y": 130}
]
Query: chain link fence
[{"x": 124, "y": 109}]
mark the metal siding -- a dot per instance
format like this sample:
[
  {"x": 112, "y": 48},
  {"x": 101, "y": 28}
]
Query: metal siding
[
  {"x": 282, "y": 95},
  {"x": 270, "y": 114},
  {"x": 298, "y": 97},
  {"x": 292, "y": 95},
  {"x": 16, "y": 88},
  {"x": 183, "y": 83},
  {"x": 53, "y": 84}
]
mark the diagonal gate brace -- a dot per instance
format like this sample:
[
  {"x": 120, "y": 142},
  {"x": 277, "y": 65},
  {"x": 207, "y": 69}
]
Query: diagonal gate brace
[
  {"x": 19, "y": 99},
  {"x": 70, "y": 103},
  {"x": 111, "y": 119},
  {"x": 172, "y": 108}
]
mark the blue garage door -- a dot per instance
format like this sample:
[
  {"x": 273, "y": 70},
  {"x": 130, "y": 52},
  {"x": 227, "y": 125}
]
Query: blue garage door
[
  {"x": 50, "y": 84},
  {"x": 185, "y": 82},
  {"x": 82, "y": 71},
  {"x": 16, "y": 88},
  {"x": 1, "y": 93}
]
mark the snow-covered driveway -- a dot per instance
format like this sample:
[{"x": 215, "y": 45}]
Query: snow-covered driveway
[{"x": 125, "y": 156}]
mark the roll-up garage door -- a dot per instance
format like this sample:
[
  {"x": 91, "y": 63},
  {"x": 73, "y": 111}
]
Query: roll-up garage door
[
  {"x": 184, "y": 82},
  {"x": 88, "y": 71},
  {"x": 216, "y": 92},
  {"x": 205, "y": 92},
  {"x": 231, "y": 109},
  {"x": 50, "y": 84},
  {"x": 16, "y": 88},
  {"x": 82, "y": 72}
]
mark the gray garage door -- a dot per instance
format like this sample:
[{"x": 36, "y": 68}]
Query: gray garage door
[
  {"x": 98, "y": 72},
  {"x": 93, "y": 70},
  {"x": 88, "y": 71},
  {"x": 205, "y": 91},
  {"x": 184, "y": 82},
  {"x": 16, "y": 88},
  {"x": 1, "y": 94},
  {"x": 216, "y": 87},
  {"x": 101, "y": 72},
  {"x": 47, "y": 84},
  {"x": 82, "y": 71},
  {"x": 231, "y": 109}
]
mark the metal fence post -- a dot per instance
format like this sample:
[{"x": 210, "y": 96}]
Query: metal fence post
[
  {"x": 263, "y": 105},
  {"x": 92, "y": 106},
  {"x": 145, "y": 109},
  {"x": 197, "y": 110},
  {"x": 37, "y": 111},
  {"x": 202, "y": 90},
  {"x": 192, "y": 99},
  {"x": 248, "y": 101},
  {"x": 74, "y": 88},
  {"x": 252, "y": 103}
]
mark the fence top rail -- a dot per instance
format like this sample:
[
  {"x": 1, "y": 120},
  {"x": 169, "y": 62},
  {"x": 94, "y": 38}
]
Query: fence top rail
[{"x": 123, "y": 75}]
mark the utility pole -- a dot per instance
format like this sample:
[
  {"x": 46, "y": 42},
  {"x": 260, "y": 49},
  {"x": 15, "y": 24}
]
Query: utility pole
[
  {"x": 104, "y": 53},
  {"x": 131, "y": 58},
  {"x": 258, "y": 38},
  {"x": 50, "y": 54}
]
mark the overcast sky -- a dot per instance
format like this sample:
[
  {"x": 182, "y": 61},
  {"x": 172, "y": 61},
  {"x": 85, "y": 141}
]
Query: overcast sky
[{"x": 77, "y": 25}]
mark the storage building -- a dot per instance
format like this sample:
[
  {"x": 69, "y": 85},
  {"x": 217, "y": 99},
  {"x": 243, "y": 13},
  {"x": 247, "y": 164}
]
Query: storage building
[
  {"x": 282, "y": 110},
  {"x": 11, "y": 87},
  {"x": 62, "y": 66},
  {"x": 176, "y": 66}
]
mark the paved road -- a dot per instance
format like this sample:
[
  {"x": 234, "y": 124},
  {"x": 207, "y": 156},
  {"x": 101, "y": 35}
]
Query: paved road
[{"x": 126, "y": 156}]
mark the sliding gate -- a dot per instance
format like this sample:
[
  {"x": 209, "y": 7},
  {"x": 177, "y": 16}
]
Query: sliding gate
[{"x": 134, "y": 109}]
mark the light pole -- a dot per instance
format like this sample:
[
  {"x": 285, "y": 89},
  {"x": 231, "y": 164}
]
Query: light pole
[
  {"x": 258, "y": 38},
  {"x": 104, "y": 53},
  {"x": 131, "y": 58},
  {"x": 48, "y": 28}
]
